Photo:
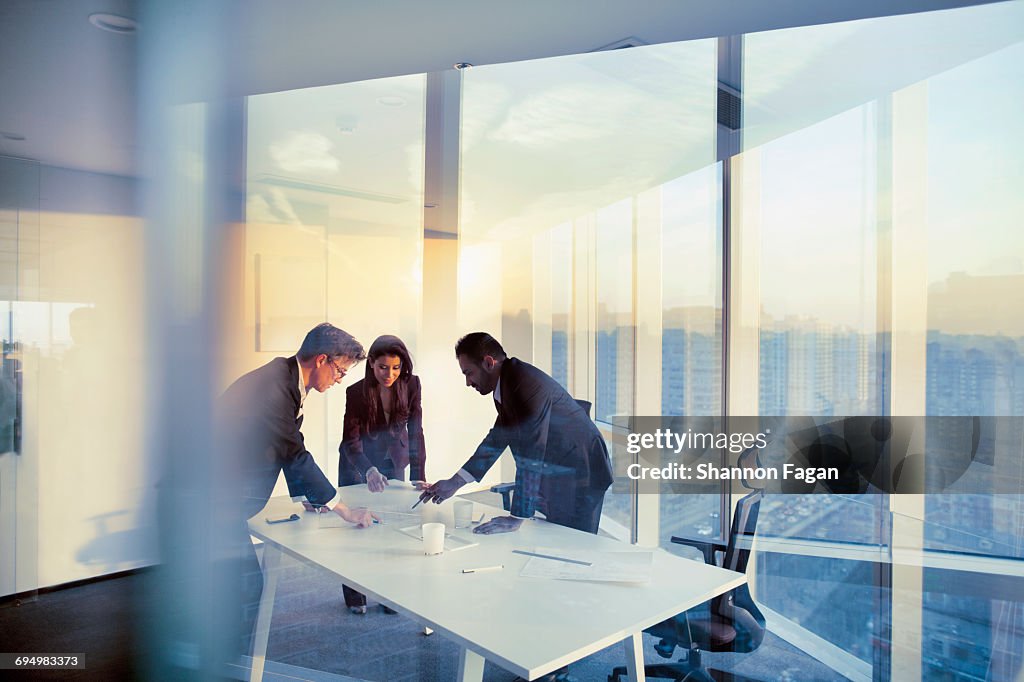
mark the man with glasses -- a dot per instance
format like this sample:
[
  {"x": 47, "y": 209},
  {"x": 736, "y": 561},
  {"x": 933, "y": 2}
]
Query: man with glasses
[{"x": 262, "y": 415}]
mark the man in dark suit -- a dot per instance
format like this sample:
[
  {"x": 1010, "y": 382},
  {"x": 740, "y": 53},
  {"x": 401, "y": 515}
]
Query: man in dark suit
[
  {"x": 262, "y": 414},
  {"x": 562, "y": 463}
]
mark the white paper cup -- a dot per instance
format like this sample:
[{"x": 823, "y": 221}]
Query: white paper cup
[
  {"x": 433, "y": 538},
  {"x": 463, "y": 514}
]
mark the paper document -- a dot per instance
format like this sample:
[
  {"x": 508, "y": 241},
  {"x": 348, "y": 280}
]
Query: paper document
[{"x": 619, "y": 567}]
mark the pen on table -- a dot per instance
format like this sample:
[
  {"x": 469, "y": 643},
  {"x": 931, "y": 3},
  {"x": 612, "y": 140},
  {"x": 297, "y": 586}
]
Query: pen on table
[{"x": 483, "y": 569}]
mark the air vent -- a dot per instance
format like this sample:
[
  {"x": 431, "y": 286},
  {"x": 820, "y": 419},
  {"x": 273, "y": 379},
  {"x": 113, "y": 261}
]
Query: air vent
[{"x": 728, "y": 109}]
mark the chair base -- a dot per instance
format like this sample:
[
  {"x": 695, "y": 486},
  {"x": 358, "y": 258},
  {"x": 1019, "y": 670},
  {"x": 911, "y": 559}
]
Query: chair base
[
  {"x": 678, "y": 672},
  {"x": 682, "y": 671}
]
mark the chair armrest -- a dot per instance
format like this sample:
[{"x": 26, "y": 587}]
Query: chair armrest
[
  {"x": 708, "y": 549},
  {"x": 505, "y": 490}
]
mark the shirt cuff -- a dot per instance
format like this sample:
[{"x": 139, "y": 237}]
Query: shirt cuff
[
  {"x": 466, "y": 476},
  {"x": 298, "y": 498}
]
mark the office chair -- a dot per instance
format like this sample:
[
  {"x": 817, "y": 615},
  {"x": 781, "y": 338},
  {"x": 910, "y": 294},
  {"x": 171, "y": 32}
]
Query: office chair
[
  {"x": 505, "y": 489},
  {"x": 730, "y": 622}
]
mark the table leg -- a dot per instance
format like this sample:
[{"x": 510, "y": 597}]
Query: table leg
[
  {"x": 471, "y": 666},
  {"x": 271, "y": 561},
  {"x": 634, "y": 645}
]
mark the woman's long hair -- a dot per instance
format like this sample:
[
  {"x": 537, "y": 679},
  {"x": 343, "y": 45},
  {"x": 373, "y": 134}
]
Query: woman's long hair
[{"x": 388, "y": 345}]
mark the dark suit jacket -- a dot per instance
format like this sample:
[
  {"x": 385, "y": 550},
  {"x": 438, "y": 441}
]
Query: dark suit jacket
[
  {"x": 261, "y": 411},
  {"x": 560, "y": 455},
  {"x": 401, "y": 441}
]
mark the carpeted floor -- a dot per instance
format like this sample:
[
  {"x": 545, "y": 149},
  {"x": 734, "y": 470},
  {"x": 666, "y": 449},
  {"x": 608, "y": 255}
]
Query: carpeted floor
[{"x": 312, "y": 630}]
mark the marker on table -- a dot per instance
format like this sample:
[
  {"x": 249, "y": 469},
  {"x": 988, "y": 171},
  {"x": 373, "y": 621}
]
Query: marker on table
[{"x": 484, "y": 569}]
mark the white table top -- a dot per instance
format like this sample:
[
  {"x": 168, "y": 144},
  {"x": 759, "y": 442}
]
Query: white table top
[{"x": 529, "y": 626}]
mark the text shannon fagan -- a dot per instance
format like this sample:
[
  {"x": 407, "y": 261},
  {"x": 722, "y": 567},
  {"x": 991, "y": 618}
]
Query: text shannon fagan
[{"x": 710, "y": 472}]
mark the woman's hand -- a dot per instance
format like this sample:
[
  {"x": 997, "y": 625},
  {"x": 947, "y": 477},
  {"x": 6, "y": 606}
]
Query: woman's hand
[{"x": 375, "y": 480}]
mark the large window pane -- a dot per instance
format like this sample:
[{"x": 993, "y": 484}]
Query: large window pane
[
  {"x": 878, "y": 138},
  {"x": 561, "y": 304},
  {"x": 615, "y": 354},
  {"x": 975, "y": 356},
  {"x": 974, "y": 629},
  {"x": 691, "y": 352},
  {"x": 562, "y": 148},
  {"x": 809, "y": 188},
  {"x": 833, "y": 598},
  {"x": 334, "y": 227}
]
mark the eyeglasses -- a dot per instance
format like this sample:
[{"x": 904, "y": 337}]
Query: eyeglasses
[{"x": 339, "y": 371}]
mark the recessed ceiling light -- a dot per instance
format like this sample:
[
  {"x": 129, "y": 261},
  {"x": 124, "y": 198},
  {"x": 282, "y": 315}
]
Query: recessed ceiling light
[
  {"x": 16, "y": 137},
  {"x": 113, "y": 23},
  {"x": 462, "y": 65},
  {"x": 391, "y": 101}
]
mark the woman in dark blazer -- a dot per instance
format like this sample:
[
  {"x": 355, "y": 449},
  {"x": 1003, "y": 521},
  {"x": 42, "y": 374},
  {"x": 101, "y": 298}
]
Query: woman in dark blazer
[{"x": 383, "y": 429}]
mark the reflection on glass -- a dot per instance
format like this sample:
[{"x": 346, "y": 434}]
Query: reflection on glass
[
  {"x": 819, "y": 105},
  {"x": 334, "y": 220},
  {"x": 614, "y": 362},
  {"x": 975, "y": 357},
  {"x": 566, "y": 144},
  {"x": 833, "y": 598},
  {"x": 561, "y": 303},
  {"x": 818, "y": 343},
  {"x": 814, "y": 195},
  {"x": 691, "y": 352},
  {"x": 818, "y": 269},
  {"x": 691, "y": 365},
  {"x": 552, "y": 140},
  {"x": 973, "y": 628}
]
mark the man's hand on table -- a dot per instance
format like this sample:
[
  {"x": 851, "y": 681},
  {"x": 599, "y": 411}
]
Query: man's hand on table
[
  {"x": 375, "y": 480},
  {"x": 499, "y": 524},
  {"x": 442, "y": 490}
]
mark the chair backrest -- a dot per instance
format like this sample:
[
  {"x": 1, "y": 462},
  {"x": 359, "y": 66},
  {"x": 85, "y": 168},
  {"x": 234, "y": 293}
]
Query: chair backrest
[
  {"x": 738, "y": 606},
  {"x": 744, "y": 519}
]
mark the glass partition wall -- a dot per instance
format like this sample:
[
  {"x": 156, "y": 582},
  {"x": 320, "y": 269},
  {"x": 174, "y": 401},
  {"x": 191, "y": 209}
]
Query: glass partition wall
[
  {"x": 882, "y": 199},
  {"x": 856, "y": 255}
]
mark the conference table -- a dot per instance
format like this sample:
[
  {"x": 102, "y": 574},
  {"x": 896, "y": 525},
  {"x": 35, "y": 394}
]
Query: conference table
[{"x": 527, "y": 625}]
